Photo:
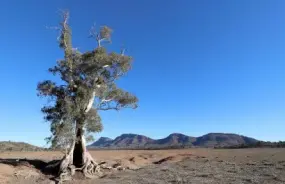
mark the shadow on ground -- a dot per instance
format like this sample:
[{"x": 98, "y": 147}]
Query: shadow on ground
[{"x": 46, "y": 168}]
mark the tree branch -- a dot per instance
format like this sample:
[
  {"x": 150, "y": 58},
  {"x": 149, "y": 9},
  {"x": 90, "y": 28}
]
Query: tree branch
[
  {"x": 90, "y": 103},
  {"x": 102, "y": 35},
  {"x": 123, "y": 51},
  {"x": 106, "y": 100},
  {"x": 103, "y": 102},
  {"x": 108, "y": 108},
  {"x": 117, "y": 108},
  {"x": 64, "y": 30}
]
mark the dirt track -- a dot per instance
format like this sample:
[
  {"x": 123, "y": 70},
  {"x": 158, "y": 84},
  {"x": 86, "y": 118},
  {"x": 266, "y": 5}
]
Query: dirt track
[{"x": 164, "y": 166}]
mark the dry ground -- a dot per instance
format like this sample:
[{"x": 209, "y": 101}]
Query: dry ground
[{"x": 197, "y": 166}]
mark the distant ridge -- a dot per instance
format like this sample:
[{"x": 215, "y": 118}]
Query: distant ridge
[
  {"x": 133, "y": 141},
  {"x": 18, "y": 146},
  {"x": 103, "y": 141}
]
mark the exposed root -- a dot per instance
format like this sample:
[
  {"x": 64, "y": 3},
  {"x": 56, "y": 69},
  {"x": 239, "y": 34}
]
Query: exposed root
[
  {"x": 67, "y": 174},
  {"x": 91, "y": 169},
  {"x": 69, "y": 165},
  {"x": 66, "y": 167}
]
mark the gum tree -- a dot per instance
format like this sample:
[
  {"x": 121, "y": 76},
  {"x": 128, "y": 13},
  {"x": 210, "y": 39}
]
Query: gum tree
[{"x": 88, "y": 85}]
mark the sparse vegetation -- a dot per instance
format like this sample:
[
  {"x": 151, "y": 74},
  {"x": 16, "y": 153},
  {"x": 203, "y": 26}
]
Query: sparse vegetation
[{"x": 259, "y": 144}]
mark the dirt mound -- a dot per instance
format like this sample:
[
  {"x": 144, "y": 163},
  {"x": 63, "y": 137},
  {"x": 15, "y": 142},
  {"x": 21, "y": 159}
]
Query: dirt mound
[
  {"x": 175, "y": 158},
  {"x": 164, "y": 160},
  {"x": 139, "y": 160},
  {"x": 21, "y": 171},
  {"x": 5, "y": 172}
]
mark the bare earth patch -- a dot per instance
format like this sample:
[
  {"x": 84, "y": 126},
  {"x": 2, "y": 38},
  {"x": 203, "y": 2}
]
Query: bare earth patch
[{"x": 157, "y": 166}]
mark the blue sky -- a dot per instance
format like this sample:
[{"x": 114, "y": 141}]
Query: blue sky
[{"x": 200, "y": 66}]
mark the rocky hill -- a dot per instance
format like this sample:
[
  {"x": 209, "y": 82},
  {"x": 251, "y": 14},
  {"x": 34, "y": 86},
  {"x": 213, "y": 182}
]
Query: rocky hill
[
  {"x": 123, "y": 141},
  {"x": 175, "y": 140},
  {"x": 102, "y": 142},
  {"x": 18, "y": 146},
  {"x": 221, "y": 140}
]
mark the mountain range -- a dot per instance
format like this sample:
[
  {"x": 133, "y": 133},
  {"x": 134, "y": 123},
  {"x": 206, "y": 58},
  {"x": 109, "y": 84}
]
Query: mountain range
[{"x": 175, "y": 140}]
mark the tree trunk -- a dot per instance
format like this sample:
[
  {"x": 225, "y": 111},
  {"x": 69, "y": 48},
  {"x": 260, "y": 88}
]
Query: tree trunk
[
  {"x": 78, "y": 158},
  {"x": 79, "y": 153}
]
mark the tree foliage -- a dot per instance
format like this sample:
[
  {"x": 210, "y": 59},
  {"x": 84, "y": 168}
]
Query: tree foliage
[{"x": 88, "y": 85}]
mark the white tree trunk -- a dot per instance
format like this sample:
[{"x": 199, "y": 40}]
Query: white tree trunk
[
  {"x": 90, "y": 103},
  {"x": 67, "y": 159}
]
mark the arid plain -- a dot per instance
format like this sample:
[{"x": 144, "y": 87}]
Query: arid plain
[{"x": 158, "y": 166}]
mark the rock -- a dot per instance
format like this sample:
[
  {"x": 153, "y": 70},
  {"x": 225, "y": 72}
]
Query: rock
[
  {"x": 116, "y": 165},
  {"x": 133, "y": 167},
  {"x": 120, "y": 168},
  {"x": 104, "y": 166},
  {"x": 102, "y": 162}
]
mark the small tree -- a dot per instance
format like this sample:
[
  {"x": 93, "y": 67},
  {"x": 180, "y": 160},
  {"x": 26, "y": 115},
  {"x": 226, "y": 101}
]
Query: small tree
[{"x": 88, "y": 86}]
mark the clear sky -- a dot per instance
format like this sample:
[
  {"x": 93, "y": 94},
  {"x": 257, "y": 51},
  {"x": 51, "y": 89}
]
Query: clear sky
[{"x": 200, "y": 66}]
